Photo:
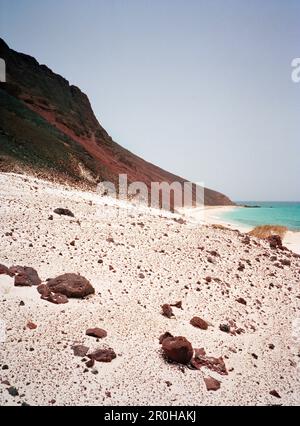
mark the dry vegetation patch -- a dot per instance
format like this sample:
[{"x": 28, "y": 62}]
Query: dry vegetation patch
[{"x": 265, "y": 231}]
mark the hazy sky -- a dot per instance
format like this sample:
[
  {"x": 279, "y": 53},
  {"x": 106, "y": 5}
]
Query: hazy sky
[{"x": 201, "y": 88}]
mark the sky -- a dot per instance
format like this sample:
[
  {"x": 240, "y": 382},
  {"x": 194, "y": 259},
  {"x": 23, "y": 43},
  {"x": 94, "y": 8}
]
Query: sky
[{"x": 201, "y": 88}]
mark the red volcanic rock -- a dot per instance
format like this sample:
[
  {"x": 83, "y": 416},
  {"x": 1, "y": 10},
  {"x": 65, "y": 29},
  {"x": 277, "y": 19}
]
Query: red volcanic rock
[
  {"x": 31, "y": 325},
  {"x": 212, "y": 384},
  {"x": 5, "y": 271},
  {"x": 96, "y": 332},
  {"x": 164, "y": 336},
  {"x": 215, "y": 364},
  {"x": 44, "y": 290},
  {"x": 80, "y": 350},
  {"x": 25, "y": 276},
  {"x": 275, "y": 242},
  {"x": 103, "y": 355},
  {"x": 167, "y": 310},
  {"x": 178, "y": 349},
  {"x": 56, "y": 298},
  {"x": 199, "y": 323},
  {"x": 71, "y": 285}
]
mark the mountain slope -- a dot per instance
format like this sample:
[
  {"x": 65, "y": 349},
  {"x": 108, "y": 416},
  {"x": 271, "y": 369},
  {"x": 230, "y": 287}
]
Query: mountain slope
[{"x": 47, "y": 127}]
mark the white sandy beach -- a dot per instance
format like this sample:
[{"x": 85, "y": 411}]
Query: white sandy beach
[
  {"x": 213, "y": 215},
  {"x": 138, "y": 260}
]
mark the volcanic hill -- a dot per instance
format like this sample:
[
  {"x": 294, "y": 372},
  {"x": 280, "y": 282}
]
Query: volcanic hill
[{"x": 48, "y": 128}]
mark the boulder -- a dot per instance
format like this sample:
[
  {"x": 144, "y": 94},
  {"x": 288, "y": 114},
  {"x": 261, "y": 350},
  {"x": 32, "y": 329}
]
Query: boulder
[
  {"x": 275, "y": 242},
  {"x": 103, "y": 355},
  {"x": 25, "y": 276},
  {"x": 199, "y": 323},
  {"x": 96, "y": 332},
  {"x": 80, "y": 350},
  {"x": 167, "y": 310},
  {"x": 178, "y": 349},
  {"x": 212, "y": 384},
  {"x": 71, "y": 285}
]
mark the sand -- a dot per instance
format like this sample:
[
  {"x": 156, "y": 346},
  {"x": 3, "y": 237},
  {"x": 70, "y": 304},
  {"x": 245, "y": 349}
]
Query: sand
[
  {"x": 173, "y": 259},
  {"x": 213, "y": 215}
]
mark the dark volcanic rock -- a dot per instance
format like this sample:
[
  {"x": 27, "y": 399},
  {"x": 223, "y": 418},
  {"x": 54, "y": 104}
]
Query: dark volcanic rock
[
  {"x": 225, "y": 328},
  {"x": 167, "y": 310},
  {"x": 96, "y": 332},
  {"x": 64, "y": 212},
  {"x": 178, "y": 349},
  {"x": 241, "y": 300},
  {"x": 212, "y": 384},
  {"x": 199, "y": 323},
  {"x": 103, "y": 355},
  {"x": 13, "y": 391},
  {"x": 275, "y": 242},
  {"x": 71, "y": 285},
  {"x": 275, "y": 393},
  {"x": 25, "y": 276},
  {"x": 80, "y": 350}
]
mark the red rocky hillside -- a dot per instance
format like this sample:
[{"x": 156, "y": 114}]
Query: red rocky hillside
[{"x": 48, "y": 128}]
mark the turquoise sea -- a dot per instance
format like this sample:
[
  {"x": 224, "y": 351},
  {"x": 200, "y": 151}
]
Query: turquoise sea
[{"x": 268, "y": 213}]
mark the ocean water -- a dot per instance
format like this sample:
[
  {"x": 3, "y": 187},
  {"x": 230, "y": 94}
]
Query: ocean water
[{"x": 269, "y": 213}]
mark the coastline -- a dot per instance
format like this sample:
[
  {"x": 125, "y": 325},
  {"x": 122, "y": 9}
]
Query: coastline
[
  {"x": 210, "y": 215},
  {"x": 137, "y": 260}
]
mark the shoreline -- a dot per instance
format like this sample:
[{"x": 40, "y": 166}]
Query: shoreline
[{"x": 211, "y": 215}]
